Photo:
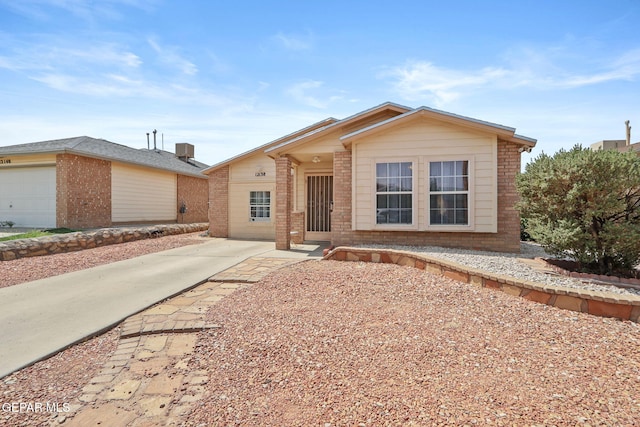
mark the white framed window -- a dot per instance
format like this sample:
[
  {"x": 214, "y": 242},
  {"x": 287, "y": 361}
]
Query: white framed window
[
  {"x": 260, "y": 206},
  {"x": 449, "y": 196},
  {"x": 394, "y": 193}
]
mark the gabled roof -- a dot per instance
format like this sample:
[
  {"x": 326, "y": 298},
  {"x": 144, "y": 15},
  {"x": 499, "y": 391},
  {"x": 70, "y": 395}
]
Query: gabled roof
[
  {"x": 504, "y": 132},
  {"x": 106, "y": 150},
  {"x": 307, "y": 130},
  {"x": 400, "y": 109}
]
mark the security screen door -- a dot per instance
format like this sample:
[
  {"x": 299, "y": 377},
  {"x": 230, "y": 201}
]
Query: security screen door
[{"x": 319, "y": 199}]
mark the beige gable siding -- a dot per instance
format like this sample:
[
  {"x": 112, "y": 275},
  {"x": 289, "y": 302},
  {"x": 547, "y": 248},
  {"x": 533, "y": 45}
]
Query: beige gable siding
[
  {"x": 27, "y": 160},
  {"x": 142, "y": 194},
  {"x": 252, "y": 174},
  {"x": 422, "y": 142}
]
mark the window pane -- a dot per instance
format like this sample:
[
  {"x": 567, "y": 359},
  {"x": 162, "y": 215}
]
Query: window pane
[
  {"x": 461, "y": 201},
  {"x": 394, "y": 184},
  {"x": 461, "y": 216},
  {"x": 435, "y": 184},
  {"x": 435, "y": 201},
  {"x": 435, "y": 169},
  {"x": 394, "y": 169},
  {"x": 448, "y": 168},
  {"x": 462, "y": 183},
  {"x": 406, "y": 169},
  {"x": 406, "y": 184},
  {"x": 449, "y": 184},
  {"x": 382, "y": 201},
  {"x": 394, "y": 200},
  {"x": 462, "y": 168},
  {"x": 381, "y": 170},
  {"x": 381, "y": 184},
  {"x": 405, "y": 216},
  {"x": 405, "y": 201}
]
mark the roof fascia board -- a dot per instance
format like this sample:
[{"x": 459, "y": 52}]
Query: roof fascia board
[
  {"x": 262, "y": 147},
  {"x": 310, "y": 136},
  {"x": 501, "y": 130}
]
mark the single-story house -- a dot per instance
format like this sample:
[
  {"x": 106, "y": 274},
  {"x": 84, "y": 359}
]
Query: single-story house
[
  {"x": 85, "y": 182},
  {"x": 389, "y": 175}
]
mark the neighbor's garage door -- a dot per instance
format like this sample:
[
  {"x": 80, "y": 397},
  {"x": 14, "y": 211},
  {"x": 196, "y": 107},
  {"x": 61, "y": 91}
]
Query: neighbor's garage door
[{"x": 28, "y": 196}]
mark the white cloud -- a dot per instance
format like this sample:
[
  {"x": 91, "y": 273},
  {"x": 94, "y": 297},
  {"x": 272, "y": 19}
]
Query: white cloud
[
  {"x": 300, "y": 93},
  {"x": 290, "y": 42},
  {"x": 418, "y": 80},
  {"x": 170, "y": 56}
]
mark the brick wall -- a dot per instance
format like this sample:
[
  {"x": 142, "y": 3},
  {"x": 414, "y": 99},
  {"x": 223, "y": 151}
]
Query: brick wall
[
  {"x": 83, "y": 192},
  {"x": 194, "y": 193},
  {"x": 507, "y": 239},
  {"x": 219, "y": 202},
  {"x": 284, "y": 193},
  {"x": 297, "y": 225},
  {"x": 341, "y": 233}
]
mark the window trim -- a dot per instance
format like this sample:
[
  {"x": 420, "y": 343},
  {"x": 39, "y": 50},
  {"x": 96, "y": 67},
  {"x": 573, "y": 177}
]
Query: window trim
[
  {"x": 414, "y": 191},
  {"x": 260, "y": 219},
  {"x": 470, "y": 226}
]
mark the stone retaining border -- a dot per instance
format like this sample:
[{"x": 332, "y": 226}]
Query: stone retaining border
[
  {"x": 585, "y": 301},
  {"x": 70, "y": 242}
]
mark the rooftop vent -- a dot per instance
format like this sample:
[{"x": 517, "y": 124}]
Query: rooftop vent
[{"x": 184, "y": 151}]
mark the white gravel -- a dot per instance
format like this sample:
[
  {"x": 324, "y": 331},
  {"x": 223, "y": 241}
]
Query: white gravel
[{"x": 507, "y": 264}]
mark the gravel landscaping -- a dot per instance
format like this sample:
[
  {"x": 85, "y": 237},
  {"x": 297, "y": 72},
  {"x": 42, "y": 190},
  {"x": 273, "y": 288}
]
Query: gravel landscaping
[
  {"x": 341, "y": 343},
  {"x": 331, "y": 343},
  {"x": 508, "y": 265},
  {"x": 28, "y": 269}
]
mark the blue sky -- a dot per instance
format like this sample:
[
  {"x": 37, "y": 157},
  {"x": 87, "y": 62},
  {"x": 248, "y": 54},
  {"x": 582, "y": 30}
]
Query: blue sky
[{"x": 228, "y": 76}]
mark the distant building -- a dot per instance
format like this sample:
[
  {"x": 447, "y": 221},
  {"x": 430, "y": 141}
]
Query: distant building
[{"x": 84, "y": 182}]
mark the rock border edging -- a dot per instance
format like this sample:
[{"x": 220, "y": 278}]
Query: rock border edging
[
  {"x": 585, "y": 301},
  {"x": 71, "y": 242}
]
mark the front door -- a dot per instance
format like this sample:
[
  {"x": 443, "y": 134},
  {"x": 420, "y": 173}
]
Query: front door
[{"x": 319, "y": 200}]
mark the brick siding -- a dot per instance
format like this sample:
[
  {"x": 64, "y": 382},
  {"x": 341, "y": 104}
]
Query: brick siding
[
  {"x": 219, "y": 202},
  {"x": 83, "y": 192},
  {"x": 284, "y": 190},
  {"x": 507, "y": 239},
  {"x": 194, "y": 193}
]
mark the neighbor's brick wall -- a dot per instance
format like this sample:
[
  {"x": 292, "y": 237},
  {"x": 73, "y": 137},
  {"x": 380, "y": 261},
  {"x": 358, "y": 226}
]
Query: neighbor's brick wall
[
  {"x": 194, "y": 192},
  {"x": 83, "y": 192},
  {"x": 219, "y": 202},
  {"x": 507, "y": 239}
]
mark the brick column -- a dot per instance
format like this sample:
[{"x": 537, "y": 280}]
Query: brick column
[
  {"x": 284, "y": 184},
  {"x": 341, "y": 232},
  {"x": 219, "y": 202},
  {"x": 508, "y": 215}
]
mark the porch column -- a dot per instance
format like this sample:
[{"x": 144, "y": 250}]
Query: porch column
[
  {"x": 341, "y": 233},
  {"x": 284, "y": 185}
]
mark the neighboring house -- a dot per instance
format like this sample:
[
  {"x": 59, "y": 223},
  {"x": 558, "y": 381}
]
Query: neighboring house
[
  {"x": 390, "y": 175},
  {"x": 616, "y": 144},
  {"x": 84, "y": 182}
]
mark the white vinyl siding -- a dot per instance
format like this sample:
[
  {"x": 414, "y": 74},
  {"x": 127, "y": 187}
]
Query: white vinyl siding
[
  {"x": 28, "y": 196},
  {"x": 422, "y": 141},
  {"x": 142, "y": 194}
]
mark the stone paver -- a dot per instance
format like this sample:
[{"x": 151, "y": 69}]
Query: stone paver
[{"x": 147, "y": 380}]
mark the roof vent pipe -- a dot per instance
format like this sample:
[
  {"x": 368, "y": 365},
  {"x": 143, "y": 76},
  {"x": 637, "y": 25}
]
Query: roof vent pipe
[
  {"x": 154, "y": 139},
  {"x": 628, "y": 133},
  {"x": 147, "y": 140}
]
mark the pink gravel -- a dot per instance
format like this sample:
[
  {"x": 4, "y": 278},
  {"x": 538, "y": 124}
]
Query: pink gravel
[
  {"x": 325, "y": 343},
  {"x": 28, "y": 269}
]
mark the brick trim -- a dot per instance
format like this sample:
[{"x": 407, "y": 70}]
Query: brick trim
[{"x": 219, "y": 202}]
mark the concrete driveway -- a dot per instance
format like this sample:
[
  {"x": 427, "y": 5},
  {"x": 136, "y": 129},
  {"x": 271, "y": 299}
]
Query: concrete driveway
[{"x": 42, "y": 317}]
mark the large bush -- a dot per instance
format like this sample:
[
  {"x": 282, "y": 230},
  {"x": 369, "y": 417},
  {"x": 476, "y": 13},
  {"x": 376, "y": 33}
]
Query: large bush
[{"x": 584, "y": 205}]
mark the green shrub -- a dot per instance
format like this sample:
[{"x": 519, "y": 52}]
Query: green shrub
[{"x": 584, "y": 205}]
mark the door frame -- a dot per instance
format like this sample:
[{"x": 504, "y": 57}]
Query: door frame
[{"x": 317, "y": 235}]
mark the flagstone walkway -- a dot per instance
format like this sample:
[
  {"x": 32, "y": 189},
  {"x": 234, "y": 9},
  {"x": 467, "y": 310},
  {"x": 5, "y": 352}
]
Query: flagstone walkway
[{"x": 147, "y": 381}]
